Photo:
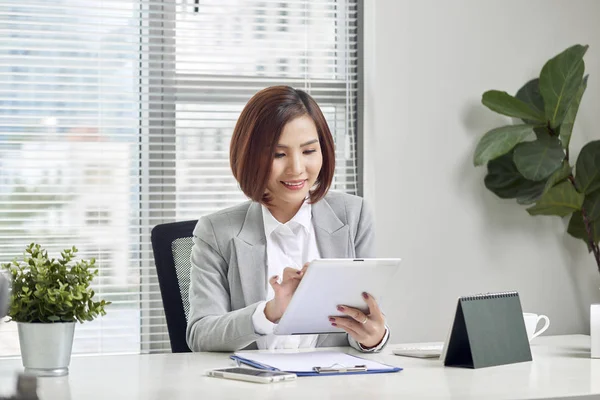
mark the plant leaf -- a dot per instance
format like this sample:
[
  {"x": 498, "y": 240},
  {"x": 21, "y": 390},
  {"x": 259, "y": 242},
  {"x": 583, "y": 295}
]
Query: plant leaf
[
  {"x": 506, "y": 182},
  {"x": 587, "y": 168},
  {"x": 505, "y": 104},
  {"x": 558, "y": 176},
  {"x": 566, "y": 128},
  {"x": 577, "y": 229},
  {"x": 560, "y": 79},
  {"x": 592, "y": 206},
  {"x": 537, "y": 160},
  {"x": 532, "y": 195},
  {"x": 530, "y": 94},
  {"x": 500, "y": 141},
  {"x": 561, "y": 200},
  {"x": 542, "y": 132}
]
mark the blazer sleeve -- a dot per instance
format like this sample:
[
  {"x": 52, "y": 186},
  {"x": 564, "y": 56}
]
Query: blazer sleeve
[{"x": 212, "y": 325}]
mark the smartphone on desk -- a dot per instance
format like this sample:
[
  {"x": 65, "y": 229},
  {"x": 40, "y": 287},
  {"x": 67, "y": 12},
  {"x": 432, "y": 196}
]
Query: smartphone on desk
[
  {"x": 251, "y": 375},
  {"x": 425, "y": 351}
]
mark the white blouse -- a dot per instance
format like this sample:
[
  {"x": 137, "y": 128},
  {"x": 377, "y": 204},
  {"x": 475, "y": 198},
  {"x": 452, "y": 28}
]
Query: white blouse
[{"x": 290, "y": 245}]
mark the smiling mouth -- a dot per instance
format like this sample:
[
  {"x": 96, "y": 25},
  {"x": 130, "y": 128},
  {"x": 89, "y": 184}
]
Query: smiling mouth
[{"x": 294, "y": 185}]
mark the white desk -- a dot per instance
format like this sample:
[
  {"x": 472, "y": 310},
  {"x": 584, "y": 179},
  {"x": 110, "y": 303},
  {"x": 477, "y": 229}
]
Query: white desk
[{"x": 561, "y": 368}]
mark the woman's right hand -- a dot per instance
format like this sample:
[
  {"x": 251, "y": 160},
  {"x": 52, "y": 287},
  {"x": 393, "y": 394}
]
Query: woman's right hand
[{"x": 283, "y": 292}]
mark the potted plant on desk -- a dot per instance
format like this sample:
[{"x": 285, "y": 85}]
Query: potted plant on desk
[
  {"x": 530, "y": 160},
  {"x": 48, "y": 296}
]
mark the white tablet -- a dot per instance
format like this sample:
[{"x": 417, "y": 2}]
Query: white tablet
[{"x": 329, "y": 283}]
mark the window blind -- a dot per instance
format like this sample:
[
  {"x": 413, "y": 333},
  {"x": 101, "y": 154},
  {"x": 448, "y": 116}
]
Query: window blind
[{"x": 116, "y": 116}]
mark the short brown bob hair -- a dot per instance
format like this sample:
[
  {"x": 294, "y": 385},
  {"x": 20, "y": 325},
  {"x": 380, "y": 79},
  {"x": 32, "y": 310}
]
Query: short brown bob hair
[{"x": 257, "y": 133}]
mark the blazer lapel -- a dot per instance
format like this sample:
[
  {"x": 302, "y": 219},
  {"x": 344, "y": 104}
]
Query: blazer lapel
[
  {"x": 250, "y": 249},
  {"x": 332, "y": 234}
]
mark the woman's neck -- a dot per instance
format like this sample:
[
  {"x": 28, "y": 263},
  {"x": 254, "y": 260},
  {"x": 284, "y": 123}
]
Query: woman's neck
[{"x": 283, "y": 212}]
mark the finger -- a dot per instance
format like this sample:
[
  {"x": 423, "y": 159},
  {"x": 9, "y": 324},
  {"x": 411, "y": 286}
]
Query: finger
[
  {"x": 303, "y": 270},
  {"x": 291, "y": 273},
  {"x": 357, "y": 336},
  {"x": 374, "y": 310},
  {"x": 353, "y": 313},
  {"x": 274, "y": 282},
  {"x": 348, "y": 324}
]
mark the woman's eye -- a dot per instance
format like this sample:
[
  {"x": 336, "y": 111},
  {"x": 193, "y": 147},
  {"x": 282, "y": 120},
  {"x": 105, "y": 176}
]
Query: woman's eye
[
  {"x": 309, "y": 151},
  {"x": 279, "y": 155}
]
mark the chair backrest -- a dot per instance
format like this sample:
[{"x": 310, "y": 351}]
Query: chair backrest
[{"x": 172, "y": 246}]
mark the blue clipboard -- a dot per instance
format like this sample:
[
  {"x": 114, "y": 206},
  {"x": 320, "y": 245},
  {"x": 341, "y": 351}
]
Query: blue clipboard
[{"x": 299, "y": 363}]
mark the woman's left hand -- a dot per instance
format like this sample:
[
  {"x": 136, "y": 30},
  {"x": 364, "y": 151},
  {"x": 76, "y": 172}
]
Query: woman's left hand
[{"x": 367, "y": 329}]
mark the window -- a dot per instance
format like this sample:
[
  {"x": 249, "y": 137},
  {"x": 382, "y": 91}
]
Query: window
[
  {"x": 282, "y": 65},
  {"x": 116, "y": 116},
  {"x": 282, "y": 22},
  {"x": 259, "y": 21}
]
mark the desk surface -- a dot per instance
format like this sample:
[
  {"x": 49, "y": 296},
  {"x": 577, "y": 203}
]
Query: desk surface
[{"x": 561, "y": 368}]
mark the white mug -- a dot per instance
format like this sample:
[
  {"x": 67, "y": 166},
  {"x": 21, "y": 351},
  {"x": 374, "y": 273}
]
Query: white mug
[{"x": 531, "y": 323}]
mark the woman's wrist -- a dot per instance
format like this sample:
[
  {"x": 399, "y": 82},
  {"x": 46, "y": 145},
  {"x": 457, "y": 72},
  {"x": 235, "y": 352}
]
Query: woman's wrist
[
  {"x": 372, "y": 346},
  {"x": 270, "y": 312}
]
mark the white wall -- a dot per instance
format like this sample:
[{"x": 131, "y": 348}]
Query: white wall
[{"x": 426, "y": 65}]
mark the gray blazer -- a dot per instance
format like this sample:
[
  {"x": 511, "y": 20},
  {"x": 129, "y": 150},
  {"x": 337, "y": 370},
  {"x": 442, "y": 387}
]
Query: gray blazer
[{"x": 229, "y": 267}]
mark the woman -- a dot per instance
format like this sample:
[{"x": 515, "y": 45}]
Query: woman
[{"x": 247, "y": 260}]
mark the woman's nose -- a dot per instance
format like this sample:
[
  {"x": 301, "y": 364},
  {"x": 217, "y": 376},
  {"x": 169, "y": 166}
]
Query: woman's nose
[{"x": 295, "y": 165}]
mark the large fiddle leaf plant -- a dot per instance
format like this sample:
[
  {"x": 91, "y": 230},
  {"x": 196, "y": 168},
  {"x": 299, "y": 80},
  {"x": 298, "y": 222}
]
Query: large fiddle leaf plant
[{"x": 529, "y": 161}]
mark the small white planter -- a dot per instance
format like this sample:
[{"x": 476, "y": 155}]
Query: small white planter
[
  {"x": 595, "y": 330},
  {"x": 46, "y": 347}
]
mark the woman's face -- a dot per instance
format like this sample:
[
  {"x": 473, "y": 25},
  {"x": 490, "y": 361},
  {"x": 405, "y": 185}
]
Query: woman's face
[{"x": 296, "y": 163}]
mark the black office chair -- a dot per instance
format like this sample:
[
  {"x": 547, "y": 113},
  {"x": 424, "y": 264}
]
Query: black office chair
[{"x": 172, "y": 246}]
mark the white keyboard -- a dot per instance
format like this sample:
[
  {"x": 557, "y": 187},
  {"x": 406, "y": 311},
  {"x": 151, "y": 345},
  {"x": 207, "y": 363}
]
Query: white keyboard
[{"x": 425, "y": 351}]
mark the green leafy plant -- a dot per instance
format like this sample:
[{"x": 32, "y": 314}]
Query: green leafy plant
[
  {"x": 529, "y": 161},
  {"x": 52, "y": 290}
]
